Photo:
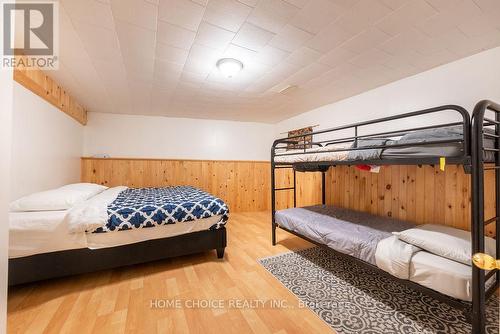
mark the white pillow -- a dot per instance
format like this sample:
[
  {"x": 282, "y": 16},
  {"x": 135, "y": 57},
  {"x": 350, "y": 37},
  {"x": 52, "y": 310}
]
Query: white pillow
[
  {"x": 56, "y": 199},
  {"x": 445, "y": 241},
  {"x": 93, "y": 188}
]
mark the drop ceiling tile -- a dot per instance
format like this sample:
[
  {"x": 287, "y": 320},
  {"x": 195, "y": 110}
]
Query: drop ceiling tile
[
  {"x": 201, "y": 2},
  {"x": 290, "y": 38},
  {"x": 192, "y": 78},
  {"x": 170, "y": 53},
  {"x": 401, "y": 43},
  {"x": 479, "y": 25},
  {"x": 298, "y": 3},
  {"x": 251, "y": 3},
  {"x": 329, "y": 38},
  {"x": 167, "y": 71},
  {"x": 183, "y": 13},
  {"x": 252, "y": 37},
  {"x": 271, "y": 56},
  {"x": 90, "y": 12},
  {"x": 372, "y": 57},
  {"x": 227, "y": 14},
  {"x": 407, "y": 15},
  {"x": 438, "y": 25},
  {"x": 242, "y": 54},
  {"x": 306, "y": 74},
  {"x": 303, "y": 56},
  {"x": 175, "y": 36},
  {"x": 69, "y": 38},
  {"x": 316, "y": 15},
  {"x": 136, "y": 41},
  {"x": 488, "y": 5},
  {"x": 367, "y": 39},
  {"x": 201, "y": 59},
  {"x": 213, "y": 36},
  {"x": 111, "y": 72},
  {"x": 272, "y": 15},
  {"x": 362, "y": 15},
  {"x": 100, "y": 43},
  {"x": 138, "y": 12},
  {"x": 336, "y": 57},
  {"x": 394, "y": 4}
]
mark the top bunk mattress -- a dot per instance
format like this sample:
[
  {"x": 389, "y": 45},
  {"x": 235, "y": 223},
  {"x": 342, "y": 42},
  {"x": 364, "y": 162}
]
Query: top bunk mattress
[
  {"x": 416, "y": 147},
  {"x": 349, "y": 232}
]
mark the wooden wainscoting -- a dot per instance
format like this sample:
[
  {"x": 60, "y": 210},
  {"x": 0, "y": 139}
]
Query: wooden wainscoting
[
  {"x": 243, "y": 185},
  {"x": 417, "y": 194}
]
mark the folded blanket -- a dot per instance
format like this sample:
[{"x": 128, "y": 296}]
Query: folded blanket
[
  {"x": 93, "y": 213},
  {"x": 394, "y": 256}
]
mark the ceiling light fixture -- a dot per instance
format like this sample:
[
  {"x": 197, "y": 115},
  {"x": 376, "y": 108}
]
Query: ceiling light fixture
[{"x": 229, "y": 67}]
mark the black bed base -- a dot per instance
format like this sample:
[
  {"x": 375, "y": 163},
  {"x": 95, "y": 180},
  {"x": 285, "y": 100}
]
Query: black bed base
[{"x": 78, "y": 261}]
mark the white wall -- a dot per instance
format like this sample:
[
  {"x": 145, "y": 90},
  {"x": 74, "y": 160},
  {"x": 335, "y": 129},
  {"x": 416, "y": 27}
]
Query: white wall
[
  {"x": 5, "y": 152},
  {"x": 464, "y": 82},
  {"x": 183, "y": 138},
  {"x": 46, "y": 145}
]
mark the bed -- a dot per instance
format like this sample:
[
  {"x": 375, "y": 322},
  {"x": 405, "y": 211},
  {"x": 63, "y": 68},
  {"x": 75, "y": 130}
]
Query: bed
[
  {"x": 371, "y": 239},
  {"x": 111, "y": 228}
]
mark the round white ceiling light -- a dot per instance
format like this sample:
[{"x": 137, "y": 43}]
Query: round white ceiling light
[{"x": 229, "y": 67}]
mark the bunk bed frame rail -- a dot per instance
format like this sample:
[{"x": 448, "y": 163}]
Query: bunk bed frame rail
[{"x": 480, "y": 121}]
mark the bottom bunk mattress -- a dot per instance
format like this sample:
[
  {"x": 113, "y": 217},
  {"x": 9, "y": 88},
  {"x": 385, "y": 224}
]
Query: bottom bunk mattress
[{"x": 346, "y": 231}]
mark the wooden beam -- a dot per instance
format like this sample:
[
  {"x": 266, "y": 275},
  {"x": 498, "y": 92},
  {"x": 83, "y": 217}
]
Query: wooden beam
[{"x": 42, "y": 85}]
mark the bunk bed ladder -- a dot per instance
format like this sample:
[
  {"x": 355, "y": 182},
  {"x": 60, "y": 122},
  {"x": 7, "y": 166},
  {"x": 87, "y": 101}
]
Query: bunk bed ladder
[
  {"x": 480, "y": 293},
  {"x": 274, "y": 190}
]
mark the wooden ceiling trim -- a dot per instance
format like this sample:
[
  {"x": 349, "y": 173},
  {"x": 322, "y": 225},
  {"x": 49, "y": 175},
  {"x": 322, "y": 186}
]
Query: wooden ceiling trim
[{"x": 48, "y": 89}]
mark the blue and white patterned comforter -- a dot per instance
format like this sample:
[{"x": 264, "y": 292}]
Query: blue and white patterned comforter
[{"x": 150, "y": 207}]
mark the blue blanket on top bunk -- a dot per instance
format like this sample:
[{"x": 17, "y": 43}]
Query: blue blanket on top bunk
[{"x": 148, "y": 207}]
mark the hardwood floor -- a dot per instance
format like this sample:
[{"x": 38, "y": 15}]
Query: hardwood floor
[{"x": 120, "y": 300}]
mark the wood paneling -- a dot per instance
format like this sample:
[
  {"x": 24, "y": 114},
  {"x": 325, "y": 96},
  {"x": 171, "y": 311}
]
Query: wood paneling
[
  {"x": 42, "y": 85},
  {"x": 243, "y": 185},
  {"x": 417, "y": 194}
]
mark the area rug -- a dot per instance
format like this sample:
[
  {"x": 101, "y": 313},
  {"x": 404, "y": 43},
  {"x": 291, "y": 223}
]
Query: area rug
[{"x": 352, "y": 298}]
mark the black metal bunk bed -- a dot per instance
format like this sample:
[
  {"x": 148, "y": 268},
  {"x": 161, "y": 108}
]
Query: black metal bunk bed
[{"x": 473, "y": 155}]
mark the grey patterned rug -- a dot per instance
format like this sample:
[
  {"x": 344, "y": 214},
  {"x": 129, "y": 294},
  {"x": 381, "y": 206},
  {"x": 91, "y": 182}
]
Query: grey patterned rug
[{"x": 355, "y": 299}]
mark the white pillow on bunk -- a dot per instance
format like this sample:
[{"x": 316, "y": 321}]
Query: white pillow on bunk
[{"x": 445, "y": 241}]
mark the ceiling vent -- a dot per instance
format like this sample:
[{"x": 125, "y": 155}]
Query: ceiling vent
[{"x": 289, "y": 90}]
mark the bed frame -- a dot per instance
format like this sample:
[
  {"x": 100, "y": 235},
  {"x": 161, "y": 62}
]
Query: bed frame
[
  {"x": 78, "y": 261},
  {"x": 471, "y": 160}
]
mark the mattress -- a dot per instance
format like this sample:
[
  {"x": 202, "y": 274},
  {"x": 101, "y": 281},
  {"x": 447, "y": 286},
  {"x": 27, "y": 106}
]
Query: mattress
[
  {"x": 40, "y": 232},
  {"x": 440, "y": 274},
  {"x": 418, "y": 150},
  {"x": 312, "y": 155},
  {"x": 349, "y": 232}
]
